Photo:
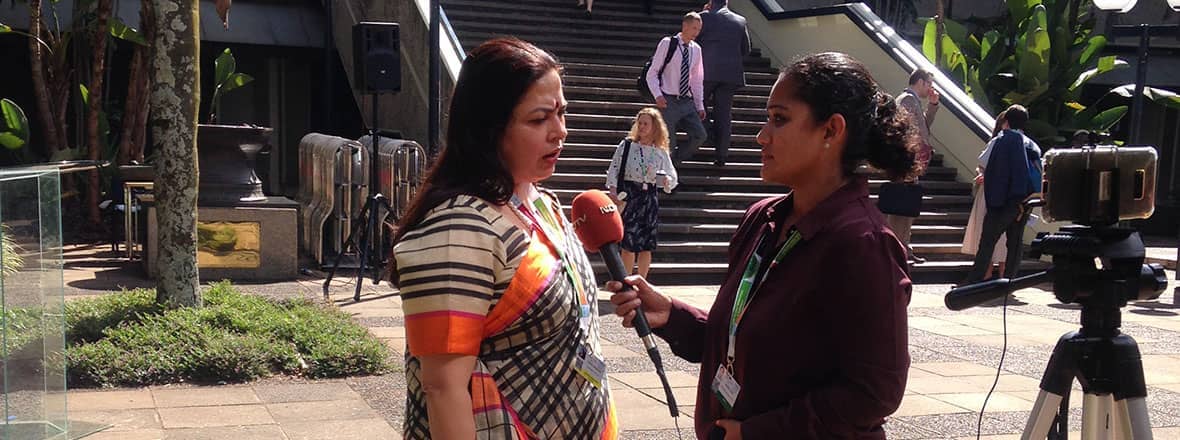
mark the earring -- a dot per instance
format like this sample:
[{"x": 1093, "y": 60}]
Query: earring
[{"x": 827, "y": 145}]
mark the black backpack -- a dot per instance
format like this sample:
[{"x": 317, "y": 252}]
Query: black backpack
[{"x": 641, "y": 82}]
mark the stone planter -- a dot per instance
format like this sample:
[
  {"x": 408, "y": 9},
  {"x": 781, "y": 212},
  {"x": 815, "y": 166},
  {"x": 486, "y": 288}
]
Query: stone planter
[{"x": 225, "y": 158}]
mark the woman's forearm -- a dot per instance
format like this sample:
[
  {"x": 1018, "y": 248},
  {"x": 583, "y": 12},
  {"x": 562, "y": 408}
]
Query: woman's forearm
[
  {"x": 449, "y": 410},
  {"x": 446, "y": 381}
]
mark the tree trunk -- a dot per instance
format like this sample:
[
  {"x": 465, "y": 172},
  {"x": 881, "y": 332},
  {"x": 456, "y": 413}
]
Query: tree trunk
[
  {"x": 175, "y": 101},
  {"x": 93, "y": 137},
  {"x": 36, "y": 57},
  {"x": 136, "y": 108}
]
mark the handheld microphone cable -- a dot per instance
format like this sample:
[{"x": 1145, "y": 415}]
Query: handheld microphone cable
[{"x": 598, "y": 224}]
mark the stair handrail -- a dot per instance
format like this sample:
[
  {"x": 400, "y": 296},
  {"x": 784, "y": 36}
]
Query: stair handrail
[
  {"x": 452, "y": 50},
  {"x": 954, "y": 99}
]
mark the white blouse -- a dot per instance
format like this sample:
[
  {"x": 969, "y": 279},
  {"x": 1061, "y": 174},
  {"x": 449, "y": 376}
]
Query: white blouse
[{"x": 643, "y": 163}]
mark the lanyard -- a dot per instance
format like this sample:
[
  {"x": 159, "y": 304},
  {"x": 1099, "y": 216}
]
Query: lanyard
[
  {"x": 551, "y": 228},
  {"x": 644, "y": 166},
  {"x": 750, "y": 283}
]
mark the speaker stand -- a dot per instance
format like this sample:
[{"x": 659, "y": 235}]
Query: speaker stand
[{"x": 365, "y": 238}]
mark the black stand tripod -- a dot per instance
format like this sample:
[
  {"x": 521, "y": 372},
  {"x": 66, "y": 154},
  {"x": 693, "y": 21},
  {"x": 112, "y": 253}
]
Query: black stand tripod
[
  {"x": 1105, "y": 361},
  {"x": 365, "y": 237}
]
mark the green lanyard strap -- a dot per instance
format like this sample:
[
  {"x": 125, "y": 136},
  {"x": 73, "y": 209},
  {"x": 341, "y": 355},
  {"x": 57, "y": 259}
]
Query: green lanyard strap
[{"x": 751, "y": 282}]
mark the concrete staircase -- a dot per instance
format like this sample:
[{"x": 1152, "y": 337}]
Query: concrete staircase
[{"x": 602, "y": 58}]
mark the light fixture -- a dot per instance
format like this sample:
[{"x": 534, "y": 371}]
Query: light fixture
[
  {"x": 1175, "y": 4},
  {"x": 1124, "y": 5}
]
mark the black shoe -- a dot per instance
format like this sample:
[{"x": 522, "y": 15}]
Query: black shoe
[{"x": 589, "y": 16}]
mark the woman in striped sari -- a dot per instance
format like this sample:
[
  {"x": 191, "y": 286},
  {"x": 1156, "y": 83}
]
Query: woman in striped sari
[{"x": 499, "y": 298}]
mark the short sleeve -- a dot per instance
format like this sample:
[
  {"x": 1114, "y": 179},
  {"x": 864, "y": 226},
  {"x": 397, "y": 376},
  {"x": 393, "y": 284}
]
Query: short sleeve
[{"x": 446, "y": 277}]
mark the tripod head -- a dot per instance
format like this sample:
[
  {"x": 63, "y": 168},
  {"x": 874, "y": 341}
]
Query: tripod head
[{"x": 1076, "y": 275}]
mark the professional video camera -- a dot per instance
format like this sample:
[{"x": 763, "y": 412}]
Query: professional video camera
[{"x": 1099, "y": 265}]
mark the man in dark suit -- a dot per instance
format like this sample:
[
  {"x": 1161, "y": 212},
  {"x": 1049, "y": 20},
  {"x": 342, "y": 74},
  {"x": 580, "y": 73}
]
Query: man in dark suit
[{"x": 724, "y": 44}]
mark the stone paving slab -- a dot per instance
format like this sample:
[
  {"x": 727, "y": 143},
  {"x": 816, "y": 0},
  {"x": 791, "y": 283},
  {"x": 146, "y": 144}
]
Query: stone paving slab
[
  {"x": 204, "y": 396},
  {"x": 954, "y": 364}
]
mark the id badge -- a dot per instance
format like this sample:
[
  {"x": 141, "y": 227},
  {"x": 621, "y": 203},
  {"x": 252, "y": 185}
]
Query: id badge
[
  {"x": 645, "y": 187},
  {"x": 592, "y": 367},
  {"x": 725, "y": 388}
]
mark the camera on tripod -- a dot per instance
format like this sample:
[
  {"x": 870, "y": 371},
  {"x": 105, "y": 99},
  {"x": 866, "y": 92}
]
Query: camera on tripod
[{"x": 1099, "y": 265}]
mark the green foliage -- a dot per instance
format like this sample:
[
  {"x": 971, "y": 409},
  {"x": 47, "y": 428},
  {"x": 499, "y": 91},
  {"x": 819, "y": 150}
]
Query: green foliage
[
  {"x": 14, "y": 133},
  {"x": 124, "y": 339},
  {"x": 1041, "y": 58},
  {"x": 227, "y": 79},
  {"x": 122, "y": 31}
]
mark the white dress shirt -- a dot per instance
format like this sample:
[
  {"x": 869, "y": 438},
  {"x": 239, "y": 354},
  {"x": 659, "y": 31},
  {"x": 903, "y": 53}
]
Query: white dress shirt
[{"x": 671, "y": 78}]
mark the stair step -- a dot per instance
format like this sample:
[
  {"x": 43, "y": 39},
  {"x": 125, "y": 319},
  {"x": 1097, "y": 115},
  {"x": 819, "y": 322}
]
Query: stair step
[
  {"x": 630, "y": 109},
  {"x": 697, "y": 206},
  {"x": 673, "y": 8},
  {"x": 634, "y": 41},
  {"x": 629, "y": 94},
  {"x": 572, "y": 22},
  {"x": 608, "y": 122},
  {"x": 619, "y": 54},
  {"x": 598, "y": 68},
  {"x": 622, "y": 83},
  {"x": 738, "y": 157},
  {"x": 565, "y": 10},
  {"x": 581, "y": 164},
  {"x": 935, "y": 188}
]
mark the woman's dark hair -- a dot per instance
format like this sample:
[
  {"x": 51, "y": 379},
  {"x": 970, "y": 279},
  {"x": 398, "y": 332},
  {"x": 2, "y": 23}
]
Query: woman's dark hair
[
  {"x": 1000, "y": 120},
  {"x": 877, "y": 131},
  {"x": 492, "y": 81}
]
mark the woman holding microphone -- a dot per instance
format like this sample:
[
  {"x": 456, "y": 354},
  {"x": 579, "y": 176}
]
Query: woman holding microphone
[{"x": 807, "y": 338}]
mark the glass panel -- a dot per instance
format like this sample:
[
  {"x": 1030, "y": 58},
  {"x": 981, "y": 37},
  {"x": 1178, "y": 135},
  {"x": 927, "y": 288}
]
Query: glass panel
[{"x": 33, "y": 327}]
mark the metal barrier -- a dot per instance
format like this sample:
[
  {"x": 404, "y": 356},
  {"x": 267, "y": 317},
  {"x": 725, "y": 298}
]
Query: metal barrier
[
  {"x": 403, "y": 168},
  {"x": 334, "y": 185},
  {"x": 332, "y": 190}
]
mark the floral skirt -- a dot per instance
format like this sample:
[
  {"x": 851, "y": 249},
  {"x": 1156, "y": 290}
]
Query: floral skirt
[{"x": 641, "y": 220}]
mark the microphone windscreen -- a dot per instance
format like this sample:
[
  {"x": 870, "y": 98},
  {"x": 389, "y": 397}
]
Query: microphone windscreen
[{"x": 596, "y": 220}]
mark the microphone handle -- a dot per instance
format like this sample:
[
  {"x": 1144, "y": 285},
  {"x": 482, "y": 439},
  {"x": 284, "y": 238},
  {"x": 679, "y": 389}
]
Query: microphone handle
[{"x": 614, "y": 265}]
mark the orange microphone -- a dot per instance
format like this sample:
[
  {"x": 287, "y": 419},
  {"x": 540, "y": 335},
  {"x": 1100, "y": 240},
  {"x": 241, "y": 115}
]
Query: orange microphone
[{"x": 598, "y": 224}]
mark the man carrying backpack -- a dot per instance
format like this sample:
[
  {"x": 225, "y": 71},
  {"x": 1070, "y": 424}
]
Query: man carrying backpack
[
  {"x": 677, "y": 86},
  {"x": 1012, "y": 175}
]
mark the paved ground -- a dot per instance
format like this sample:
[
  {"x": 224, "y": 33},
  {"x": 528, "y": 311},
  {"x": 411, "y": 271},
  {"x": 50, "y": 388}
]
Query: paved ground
[{"x": 954, "y": 363}]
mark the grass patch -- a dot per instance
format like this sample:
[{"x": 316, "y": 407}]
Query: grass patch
[{"x": 125, "y": 339}]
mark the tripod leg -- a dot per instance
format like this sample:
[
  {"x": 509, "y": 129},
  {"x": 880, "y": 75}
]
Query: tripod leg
[
  {"x": 375, "y": 241},
  {"x": 1098, "y": 418},
  {"x": 349, "y": 243},
  {"x": 363, "y": 248},
  {"x": 1042, "y": 416},
  {"x": 1132, "y": 418}
]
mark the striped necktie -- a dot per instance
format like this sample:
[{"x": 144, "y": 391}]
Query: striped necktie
[{"x": 684, "y": 67}]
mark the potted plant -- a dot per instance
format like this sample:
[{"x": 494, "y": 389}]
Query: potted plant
[{"x": 225, "y": 153}]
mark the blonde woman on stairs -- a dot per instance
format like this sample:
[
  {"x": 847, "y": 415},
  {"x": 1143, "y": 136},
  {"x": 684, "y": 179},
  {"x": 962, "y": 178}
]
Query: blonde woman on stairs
[{"x": 645, "y": 167}]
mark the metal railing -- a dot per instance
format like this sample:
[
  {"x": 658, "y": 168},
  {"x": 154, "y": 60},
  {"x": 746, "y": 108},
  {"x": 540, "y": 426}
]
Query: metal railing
[
  {"x": 332, "y": 176},
  {"x": 334, "y": 185}
]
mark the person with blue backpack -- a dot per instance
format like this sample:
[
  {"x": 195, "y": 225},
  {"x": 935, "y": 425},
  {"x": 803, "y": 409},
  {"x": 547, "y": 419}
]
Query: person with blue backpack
[{"x": 1012, "y": 176}]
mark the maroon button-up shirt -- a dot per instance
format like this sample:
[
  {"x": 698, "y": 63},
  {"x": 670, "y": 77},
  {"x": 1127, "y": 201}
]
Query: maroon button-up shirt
[{"x": 822, "y": 351}]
